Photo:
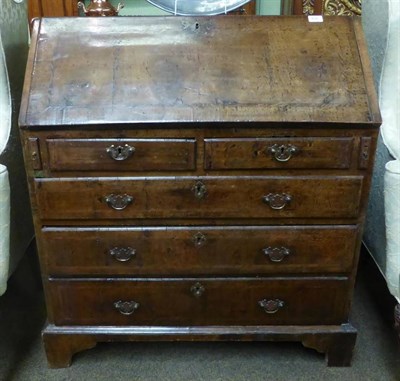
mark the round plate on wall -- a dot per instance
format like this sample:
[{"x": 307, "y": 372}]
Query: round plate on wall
[{"x": 198, "y": 7}]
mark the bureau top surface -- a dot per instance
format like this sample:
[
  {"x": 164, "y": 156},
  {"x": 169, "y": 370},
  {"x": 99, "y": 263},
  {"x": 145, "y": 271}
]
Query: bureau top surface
[{"x": 84, "y": 71}]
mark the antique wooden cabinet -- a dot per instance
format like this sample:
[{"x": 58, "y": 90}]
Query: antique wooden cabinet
[{"x": 189, "y": 185}]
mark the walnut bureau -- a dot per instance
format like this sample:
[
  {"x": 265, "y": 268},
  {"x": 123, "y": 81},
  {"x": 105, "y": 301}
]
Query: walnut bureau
[{"x": 198, "y": 178}]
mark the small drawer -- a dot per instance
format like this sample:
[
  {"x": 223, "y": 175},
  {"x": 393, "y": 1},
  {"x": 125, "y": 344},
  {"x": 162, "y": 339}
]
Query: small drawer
[
  {"x": 195, "y": 197},
  {"x": 199, "y": 301},
  {"x": 121, "y": 154},
  {"x": 269, "y": 153},
  {"x": 200, "y": 250}
]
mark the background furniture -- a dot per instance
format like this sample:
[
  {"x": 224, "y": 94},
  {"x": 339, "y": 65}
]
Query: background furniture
[
  {"x": 16, "y": 233},
  {"x": 49, "y": 8},
  {"x": 52, "y": 8},
  {"x": 382, "y": 231},
  {"x": 217, "y": 201},
  {"x": 324, "y": 7},
  {"x": 59, "y": 8}
]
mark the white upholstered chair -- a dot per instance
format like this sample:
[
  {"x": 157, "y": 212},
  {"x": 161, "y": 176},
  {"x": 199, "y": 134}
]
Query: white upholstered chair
[
  {"x": 381, "y": 21},
  {"x": 16, "y": 230},
  {"x": 5, "y": 126}
]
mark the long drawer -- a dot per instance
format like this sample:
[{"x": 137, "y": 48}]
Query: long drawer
[
  {"x": 245, "y": 301},
  {"x": 199, "y": 197},
  {"x": 198, "y": 250}
]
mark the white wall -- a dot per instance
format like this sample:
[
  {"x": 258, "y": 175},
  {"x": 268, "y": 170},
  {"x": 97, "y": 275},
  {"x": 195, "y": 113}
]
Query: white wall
[
  {"x": 268, "y": 7},
  {"x": 140, "y": 8}
]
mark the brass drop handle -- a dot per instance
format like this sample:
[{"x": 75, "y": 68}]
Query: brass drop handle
[
  {"x": 122, "y": 254},
  {"x": 120, "y": 153},
  {"x": 127, "y": 307},
  {"x": 199, "y": 239},
  {"x": 118, "y": 201},
  {"x": 276, "y": 254},
  {"x": 277, "y": 201},
  {"x": 271, "y": 306},
  {"x": 282, "y": 152},
  {"x": 199, "y": 190},
  {"x": 197, "y": 289}
]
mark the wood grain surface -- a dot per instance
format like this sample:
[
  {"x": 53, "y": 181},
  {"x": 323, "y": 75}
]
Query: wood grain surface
[{"x": 178, "y": 69}]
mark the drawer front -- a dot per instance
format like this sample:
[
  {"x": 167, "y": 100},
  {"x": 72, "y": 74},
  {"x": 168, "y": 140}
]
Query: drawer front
[
  {"x": 209, "y": 197},
  {"x": 200, "y": 301},
  {"x": 253, "y": 153},
  {"x": 198, "y": 250},
  {"x": 121, "y": 154}
]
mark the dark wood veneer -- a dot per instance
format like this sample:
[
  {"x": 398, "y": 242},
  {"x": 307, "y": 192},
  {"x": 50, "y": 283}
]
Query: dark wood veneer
[
  {"x": 255, "y": 153},
  {"x": 225, "y": 197},
  {"x": 146, "y": 155},
  {"x": 199, "y": 250},
  {"x": 171, "y": 302}
]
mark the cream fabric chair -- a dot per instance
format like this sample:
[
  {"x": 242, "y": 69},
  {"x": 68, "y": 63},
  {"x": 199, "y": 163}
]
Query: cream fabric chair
[
  {"x": 382, "y": 231},
  {"x": 5, "y": 127},
  {"x": 4, "y": 228},
  {"x": 16, "y": 230},
  {"x": 390, "y": 108}
]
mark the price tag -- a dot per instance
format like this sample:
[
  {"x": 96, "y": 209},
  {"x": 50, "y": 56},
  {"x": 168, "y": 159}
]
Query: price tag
[{"x": 315, "y": 18}]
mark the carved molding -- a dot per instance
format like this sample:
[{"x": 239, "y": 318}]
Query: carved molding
[
  {"x": 326, "y": 7},
  {"x": 308, "y": 7},
  {"x": 342, "y": 7}
]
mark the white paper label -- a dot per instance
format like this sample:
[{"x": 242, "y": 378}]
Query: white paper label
[{"x": 315, "y": 18}]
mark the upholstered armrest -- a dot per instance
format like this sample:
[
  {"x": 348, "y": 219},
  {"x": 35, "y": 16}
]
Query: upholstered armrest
[
  {"x": 392, "y": 221},
  {"x": 389, "y": 102},
  {"x": 390, "y": 85},
  {"x": 5, "y": 102},
  {"x": 4, "y": 227},
  {"x": 5, "y": 128}
]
